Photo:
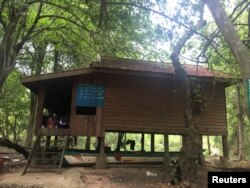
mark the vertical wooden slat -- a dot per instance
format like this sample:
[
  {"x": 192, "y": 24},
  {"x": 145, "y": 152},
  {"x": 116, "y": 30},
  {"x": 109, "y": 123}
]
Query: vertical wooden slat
[
  {"x": 73, "y": 124},
  {"x": 40, "y": 107},
  {"x": 99, "y": 126},
  {"x": 99, "y": 110}
]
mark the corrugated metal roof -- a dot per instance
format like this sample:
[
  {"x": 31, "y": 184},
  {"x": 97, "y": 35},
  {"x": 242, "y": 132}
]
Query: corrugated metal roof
[
  {"x": 150, "y": 66},
  {"x": 130, "y": 66}
]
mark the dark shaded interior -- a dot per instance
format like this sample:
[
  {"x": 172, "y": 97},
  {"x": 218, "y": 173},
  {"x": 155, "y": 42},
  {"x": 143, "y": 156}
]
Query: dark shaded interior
[{"x": 58, "y": 98}]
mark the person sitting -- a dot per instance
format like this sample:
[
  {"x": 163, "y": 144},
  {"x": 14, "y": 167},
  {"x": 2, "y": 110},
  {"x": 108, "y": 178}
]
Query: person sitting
[
  {"x": 50, "y": 123},
  {"x": 64, "y": 123}
]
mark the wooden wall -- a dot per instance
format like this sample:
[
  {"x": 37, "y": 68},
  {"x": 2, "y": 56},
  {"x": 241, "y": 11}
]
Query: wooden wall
[
  {"x": 213, "y": 119},
  {"x": 85, "y": 125},
  {"x": 149, "y": 104}
]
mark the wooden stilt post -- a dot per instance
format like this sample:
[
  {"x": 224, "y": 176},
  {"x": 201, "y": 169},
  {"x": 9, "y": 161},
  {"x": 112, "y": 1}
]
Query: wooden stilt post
[
  {"x": 225, "y": 146},
  {"x": 166, "y": 160},
  {"x": 142, "y": 142},
  {"x": 152, "y": 142},
  {"x": 87, "y": 144},
  {"x": 101, "y": 159},
  {"x": 39, "y": 111}
]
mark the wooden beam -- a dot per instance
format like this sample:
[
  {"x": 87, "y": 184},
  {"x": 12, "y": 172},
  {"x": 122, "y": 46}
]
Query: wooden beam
[
  {"x": 142, "y": 142},
  {"x": 73, "y": 108},
  {"x": 166, "y": 160},
  {"x": 59, "y": 75},
  {"x": 97, "y": 79},
  {"x": 102, "y": 144},
  {"x": 99, "y": 124},
  {"x": 101, "y": 158},
  {"x": 40, "y": 107},
  {"x": 152, "y": 142},
  {"x": 87, "y": 143}
]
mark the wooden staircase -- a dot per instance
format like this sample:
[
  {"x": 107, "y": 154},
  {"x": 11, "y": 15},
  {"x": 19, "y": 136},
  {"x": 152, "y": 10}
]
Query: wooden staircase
[{"x": 48, "y": 150}]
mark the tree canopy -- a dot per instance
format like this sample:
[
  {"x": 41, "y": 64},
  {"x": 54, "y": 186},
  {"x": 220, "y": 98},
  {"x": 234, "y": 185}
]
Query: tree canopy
[{"x": 41, "y": 36}]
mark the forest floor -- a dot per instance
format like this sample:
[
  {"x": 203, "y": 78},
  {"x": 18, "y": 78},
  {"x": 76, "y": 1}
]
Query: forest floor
[{"x": 89, "y": 177}]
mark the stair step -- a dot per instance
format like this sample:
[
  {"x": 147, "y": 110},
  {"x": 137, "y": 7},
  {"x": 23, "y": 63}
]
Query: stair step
[
  {"x": 48, "y": 152},
  {"x": 44, "y": 166},
  {"x": 49, "y": 156},
  {"x": 45, "y": 159}
]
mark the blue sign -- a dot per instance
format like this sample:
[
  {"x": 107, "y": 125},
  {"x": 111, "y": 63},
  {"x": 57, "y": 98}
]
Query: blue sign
[{"x": 90, "y": 95}]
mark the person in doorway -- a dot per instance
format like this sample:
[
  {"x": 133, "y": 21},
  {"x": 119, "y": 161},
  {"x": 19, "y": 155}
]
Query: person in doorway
[
  {"x": 64, "y": 122},
  {"x": 52, "y": 122}
]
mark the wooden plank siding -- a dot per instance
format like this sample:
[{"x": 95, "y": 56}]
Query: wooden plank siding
[
  {"x": 146, "y": 104},
  {"x": 213, "y": 120},
  {"x": 139, "y": 96},
  {"x": 81, "y": 124}
]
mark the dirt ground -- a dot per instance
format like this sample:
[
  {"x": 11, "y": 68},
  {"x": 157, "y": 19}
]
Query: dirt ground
[{"x": 88, "y": 177}]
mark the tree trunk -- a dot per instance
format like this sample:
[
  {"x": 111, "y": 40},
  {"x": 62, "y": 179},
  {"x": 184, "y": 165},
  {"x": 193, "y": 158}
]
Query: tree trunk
[
  {"x": 7, "y": 127},
  {"x": 15, "y": 129},
  {"x": 237, "y": 149},
  {"x": 239, "y": 50},
  {"x": 226, "y": 27},
  {"x": 56, "y": 61},
  {"x": 192, "y": 147},
  {"x": 208, "y": 145},
  {"x": 191, "y": 151},
  {"x": 240, "y": 115},
  {"x": 119, "y": 141},
  {"x": 40, "y": 50},
  {"x": 14, "y": 34},
  {"x": 18, "y": 148}
]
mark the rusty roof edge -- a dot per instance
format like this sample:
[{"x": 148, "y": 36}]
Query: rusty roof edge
[
  {"x": 133, "y": 66},
  {"x": 157, "y": 67},
  {"x": 48, "y": 76}
]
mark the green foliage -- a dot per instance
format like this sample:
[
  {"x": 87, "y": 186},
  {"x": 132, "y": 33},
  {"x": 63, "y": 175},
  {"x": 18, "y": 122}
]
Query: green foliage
[
  {"x": 215, "y": 145},
  {"x": 78, "y": 30},
  {"x": 233, "y": 123},
  {"x": 14, "y": 109}
]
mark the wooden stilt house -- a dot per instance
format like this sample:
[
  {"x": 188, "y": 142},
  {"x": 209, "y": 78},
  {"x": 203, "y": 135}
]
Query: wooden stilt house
[{"x": 130, "y": 95}]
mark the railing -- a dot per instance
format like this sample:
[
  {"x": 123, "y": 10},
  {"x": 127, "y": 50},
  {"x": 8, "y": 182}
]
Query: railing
[{"x": 54, "y": 132}]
